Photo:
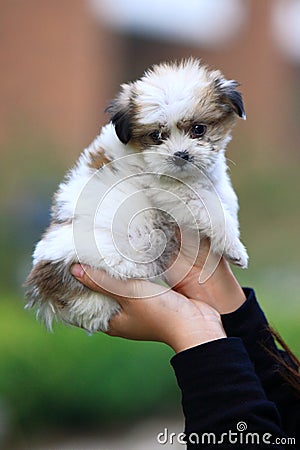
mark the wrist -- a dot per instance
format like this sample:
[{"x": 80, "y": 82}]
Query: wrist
[
  {"x": 192, "y": 335},
  {"x": 225, "y": 289},
  {"x": 221, "y": 290}
]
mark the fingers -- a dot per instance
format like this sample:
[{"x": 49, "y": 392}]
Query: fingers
[
  {"x": 99, "y": 281},
  {"x": 192, "y": 254},
  {"x": 117, "y": 324}
]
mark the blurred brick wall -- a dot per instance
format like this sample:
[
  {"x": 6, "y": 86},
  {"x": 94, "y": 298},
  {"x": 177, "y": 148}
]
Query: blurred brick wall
[
  {"x": 268, "y": 81},
  {"x": 255, "y": 61},
  {"x": 59, "y": 68},
  {"x": 55, "y": 73}
]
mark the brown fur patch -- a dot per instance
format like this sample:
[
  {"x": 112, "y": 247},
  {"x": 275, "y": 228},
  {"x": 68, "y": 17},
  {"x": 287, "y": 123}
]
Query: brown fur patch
[
  {"x": 57, "y": 221},
  {"x": 98, "y": 159},
  {"x": 136, "y": 145},
  {"x": 55, "y": 213},
  {"x": 52, "y": 281}
]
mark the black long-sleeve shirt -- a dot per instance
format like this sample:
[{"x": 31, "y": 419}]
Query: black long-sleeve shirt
[{"x": 233, "y": 395}]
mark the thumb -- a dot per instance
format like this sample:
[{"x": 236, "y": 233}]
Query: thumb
[{"x": 98, "y": 280}]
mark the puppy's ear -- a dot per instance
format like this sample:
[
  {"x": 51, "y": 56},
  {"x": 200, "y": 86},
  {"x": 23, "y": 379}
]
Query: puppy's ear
[
  {"x": 232, "y": 96},
  {"x": 120, "y": 115}
]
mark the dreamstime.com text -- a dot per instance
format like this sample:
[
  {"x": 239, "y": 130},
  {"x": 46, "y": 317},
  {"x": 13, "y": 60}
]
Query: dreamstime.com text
[{"x": 238, "y": 436}]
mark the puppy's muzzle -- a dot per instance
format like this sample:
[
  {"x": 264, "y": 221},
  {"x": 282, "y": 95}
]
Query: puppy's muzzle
[{"x": 181, "y": 158}]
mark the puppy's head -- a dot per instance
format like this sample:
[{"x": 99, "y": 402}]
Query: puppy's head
[{"x": 178, "y": 113}]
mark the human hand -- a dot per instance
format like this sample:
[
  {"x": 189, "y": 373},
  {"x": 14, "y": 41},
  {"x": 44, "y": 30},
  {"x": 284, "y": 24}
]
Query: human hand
[
  {"x": 152, "y": 312},
  {"x": 207, "y": 277}
]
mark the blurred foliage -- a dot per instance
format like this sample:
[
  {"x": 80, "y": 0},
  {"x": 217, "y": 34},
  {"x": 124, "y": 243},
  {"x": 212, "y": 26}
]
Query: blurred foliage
[
  {"x": 67, "y": 378},
  {"x": 29, "y": 174}
]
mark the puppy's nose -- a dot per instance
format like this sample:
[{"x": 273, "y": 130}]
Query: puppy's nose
[{"x": 181, "y": 157}]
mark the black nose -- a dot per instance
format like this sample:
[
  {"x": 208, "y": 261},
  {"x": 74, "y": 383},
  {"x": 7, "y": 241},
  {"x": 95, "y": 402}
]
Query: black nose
[{"x": 181, "y": 157}]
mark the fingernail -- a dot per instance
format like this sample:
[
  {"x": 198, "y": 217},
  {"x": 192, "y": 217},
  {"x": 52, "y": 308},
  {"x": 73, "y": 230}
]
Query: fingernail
[{"x": 77, "y": 270}]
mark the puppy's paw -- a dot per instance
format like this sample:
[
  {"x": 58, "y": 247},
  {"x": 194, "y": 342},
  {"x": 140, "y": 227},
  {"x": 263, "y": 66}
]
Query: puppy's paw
[{"x": 237, "y": 255}]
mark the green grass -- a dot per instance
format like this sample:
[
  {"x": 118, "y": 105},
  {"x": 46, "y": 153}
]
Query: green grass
[{"x": 68, "y": 377}]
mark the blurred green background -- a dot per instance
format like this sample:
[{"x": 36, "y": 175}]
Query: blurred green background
[{"x": 61, "y": 64}]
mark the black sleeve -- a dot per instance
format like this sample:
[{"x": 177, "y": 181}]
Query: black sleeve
[
  {"x": 223, "y": 400},
  {"x": 250, "y": 324}
]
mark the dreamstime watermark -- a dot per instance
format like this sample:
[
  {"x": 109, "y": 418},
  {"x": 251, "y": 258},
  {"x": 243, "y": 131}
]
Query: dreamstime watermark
[
  {"x": 238, "y": 436},
  {"x": 125, "y": 217}
]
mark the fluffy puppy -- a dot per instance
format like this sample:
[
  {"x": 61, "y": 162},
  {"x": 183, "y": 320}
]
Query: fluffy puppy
[{"x": 160, "y": 162}]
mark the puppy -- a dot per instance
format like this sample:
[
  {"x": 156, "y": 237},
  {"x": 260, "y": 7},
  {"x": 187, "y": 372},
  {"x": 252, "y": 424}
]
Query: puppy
[{"x": 158, "y": 165}]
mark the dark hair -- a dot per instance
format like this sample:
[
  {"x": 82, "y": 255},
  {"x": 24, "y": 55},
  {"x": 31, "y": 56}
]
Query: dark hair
[{"x": 288, "y": 367}]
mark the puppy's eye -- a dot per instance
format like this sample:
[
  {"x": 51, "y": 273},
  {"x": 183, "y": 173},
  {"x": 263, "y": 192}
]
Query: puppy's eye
[
  {"x": 198, "y": 130},
  {"x": 156, "y": 136}
]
